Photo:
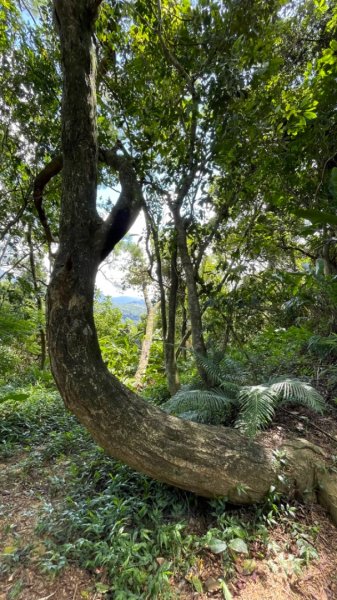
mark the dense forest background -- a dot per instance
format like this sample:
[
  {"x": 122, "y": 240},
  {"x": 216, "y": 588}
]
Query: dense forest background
[{"x": 225, "y": 116}]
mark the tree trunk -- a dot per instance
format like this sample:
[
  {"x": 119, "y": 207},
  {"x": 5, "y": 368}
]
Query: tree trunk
[
  {"x": 211, "y": 461},
  {"x": 192, "y": 292},
  {"x": 168, "y": 308},
  {"x": 38, "y": 301},
  {"x": 170, "y": 354},
  {"x": 151, "y": 310}
]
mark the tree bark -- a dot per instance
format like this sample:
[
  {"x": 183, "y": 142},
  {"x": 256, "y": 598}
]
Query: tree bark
[
  {"x": 192, "y": 292},
  {"x": 170, "y": 338},
  {"x": 168, "y": 306},
  {"x": 151, "y": 310},
  {"x": 210, "y": 461},
  {"x": 38, "y": 301}
]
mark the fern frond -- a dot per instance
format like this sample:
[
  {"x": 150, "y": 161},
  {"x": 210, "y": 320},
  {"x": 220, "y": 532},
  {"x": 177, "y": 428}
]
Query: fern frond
[
  {"x": 323, "y": 346},
  {"x": 295, "y": 391},
  {"x": 233, "y": 371},
  {"x": 206, "y": 406},
  {"x": 257, "y": 404},
  {"x": 220, "y": 374},
  {"x": 230, "y": 389},
  {"x": 211, "y": 368}
]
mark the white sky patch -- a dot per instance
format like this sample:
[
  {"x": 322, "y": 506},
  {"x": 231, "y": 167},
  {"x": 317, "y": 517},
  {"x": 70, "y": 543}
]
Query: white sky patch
[{"x": 111, "y": 272}]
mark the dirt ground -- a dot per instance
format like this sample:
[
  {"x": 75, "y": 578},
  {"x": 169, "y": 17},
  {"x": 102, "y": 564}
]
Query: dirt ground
[
  {"x": 274, "y": 578},
  {"x": 270, "y": 577}
]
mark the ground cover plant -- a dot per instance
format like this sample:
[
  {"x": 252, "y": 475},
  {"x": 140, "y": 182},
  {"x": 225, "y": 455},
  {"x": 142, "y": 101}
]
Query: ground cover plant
[{"x": 134, "y": 537}]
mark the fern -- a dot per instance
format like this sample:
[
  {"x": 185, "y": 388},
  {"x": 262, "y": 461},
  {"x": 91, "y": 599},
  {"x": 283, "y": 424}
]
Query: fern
[
  {"x": 254, "y": 405},
  {"x": 323, "y": 346},
  {"x": 257, "y": 408},
  {"x": 205, "y": 406},
  {"x": 211, "y": 368},
  {"x": 230, "y": 389},
  {"x": 223, "y": 371},
  {"x": 233, "y": 371},
  {"x": 295, "y": 391}
]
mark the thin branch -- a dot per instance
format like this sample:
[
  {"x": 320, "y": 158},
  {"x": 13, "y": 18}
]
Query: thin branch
[
  {"x": 169, "y": 55},
  {"x": 299, "y": 249},
  {"x": 320, "y": 183},
  {"x": 51, "y": 170},
  {"x": 15, "y": 219},
  {"x": 14, "y": 265}
]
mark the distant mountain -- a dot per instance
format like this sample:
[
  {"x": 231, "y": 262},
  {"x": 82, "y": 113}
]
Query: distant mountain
[
  {"x": 131, "y": 307},
  {"x": 127, "y": 300}
]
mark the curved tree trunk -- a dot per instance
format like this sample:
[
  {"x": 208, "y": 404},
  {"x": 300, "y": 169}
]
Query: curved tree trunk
[{"x": 211, "y": 461}]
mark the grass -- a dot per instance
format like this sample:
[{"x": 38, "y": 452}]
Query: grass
[{"x": 138, "y": 538}]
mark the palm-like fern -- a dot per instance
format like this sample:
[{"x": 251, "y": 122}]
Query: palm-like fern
[
  {"x": 253, "y": 406},
  {"x": 202, "y": 406},
  {"x": 224, "y": 371},
  {"x": 256, "y": 408}
]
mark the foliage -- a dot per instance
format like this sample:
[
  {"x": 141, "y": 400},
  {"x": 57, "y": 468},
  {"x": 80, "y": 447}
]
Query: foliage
[
  {"x": 119, "y": 340},
  {"x": 241, "y": 98},
  {"x": 19, "y": 325},
  {"x": 258, "y": 120},
  {"x": 29, "y": 415},
  {"x": 251, "y": 406},
  {"x": 134, "y": 535}
]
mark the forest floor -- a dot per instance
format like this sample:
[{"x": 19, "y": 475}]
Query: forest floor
[{"x": 275, "y": 570}]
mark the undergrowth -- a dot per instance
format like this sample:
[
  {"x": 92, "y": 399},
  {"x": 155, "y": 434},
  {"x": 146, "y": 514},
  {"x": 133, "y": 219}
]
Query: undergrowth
[{"x": 138, "y": 538}]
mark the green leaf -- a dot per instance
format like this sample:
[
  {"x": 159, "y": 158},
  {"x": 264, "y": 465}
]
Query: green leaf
[
  {"x": 249, "y": 566},
  {"x": 316, "y": 216},
  {"x": 226, "y": 593},
  {"x": 309, "y": 114},
  {"x": 295, "y": 391},
  {"x": 15, "y": 396},
  {"x": 217, "y": 546},
  {"x": 102, "y": 588},
  {"x": 9, "y": 550},
  {"x": 239, "y": 546},
  {"x": 197, "y": 584},
  {"x": 257, "y": 408}
]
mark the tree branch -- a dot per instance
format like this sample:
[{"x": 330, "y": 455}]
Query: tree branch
[
  {"x": 15, "y": 219},
  {"x": 51, "y": 170},
  {"x": 13, "y": 266},
  {"x": 128, "y": 205},
  {"x": 169, "y": 55},
  {"x": 123, "y": 214}
]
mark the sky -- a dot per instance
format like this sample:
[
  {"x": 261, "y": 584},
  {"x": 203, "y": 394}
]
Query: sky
[{"x": 111, "y": 271}]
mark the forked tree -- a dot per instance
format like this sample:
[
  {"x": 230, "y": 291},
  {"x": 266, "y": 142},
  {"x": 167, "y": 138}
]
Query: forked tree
[{"x": 207, "y": 460}]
